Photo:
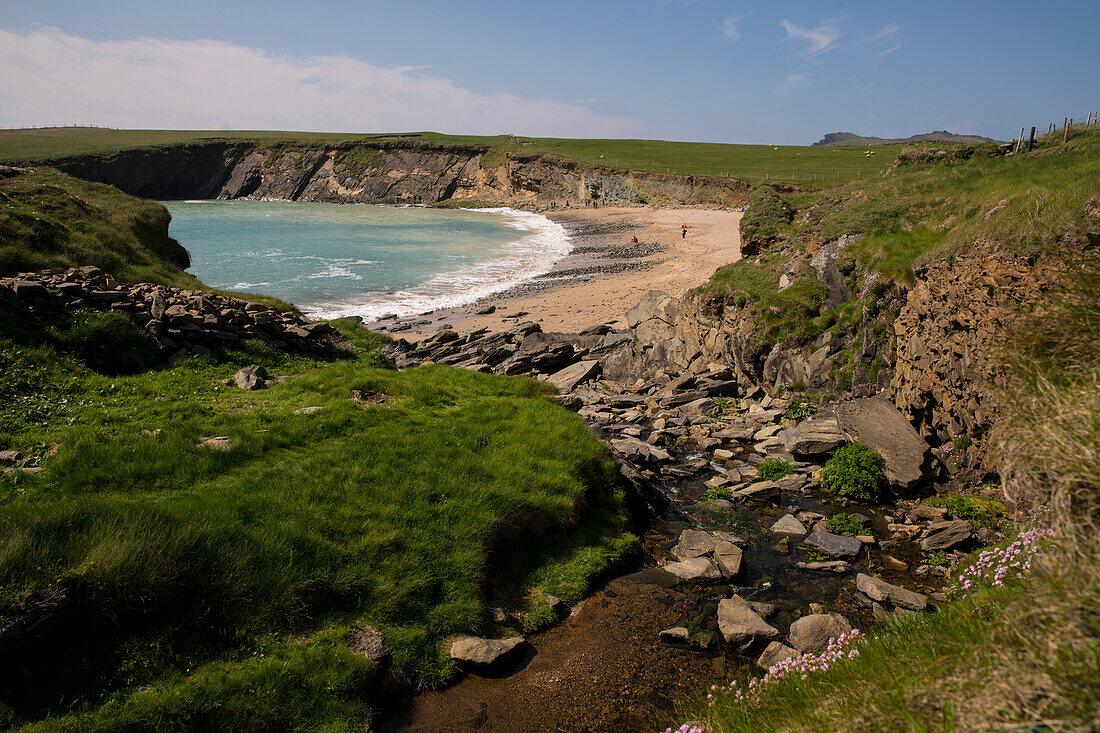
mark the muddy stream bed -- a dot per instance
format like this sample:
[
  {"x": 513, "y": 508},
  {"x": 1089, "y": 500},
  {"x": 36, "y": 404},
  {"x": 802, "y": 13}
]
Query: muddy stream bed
[{"x": 604, "y": 667}]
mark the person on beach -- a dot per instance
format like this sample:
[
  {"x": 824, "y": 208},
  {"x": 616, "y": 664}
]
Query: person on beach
[
  {"x": 635, "y": 239},
  {"x": 684, "y": 231}
]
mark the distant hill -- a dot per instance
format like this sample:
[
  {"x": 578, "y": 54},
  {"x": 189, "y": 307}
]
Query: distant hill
[{"x": 852, "y": 140}]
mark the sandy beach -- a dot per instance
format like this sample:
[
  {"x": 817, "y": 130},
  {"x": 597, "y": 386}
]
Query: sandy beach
[{"x": 606, "y": 274}]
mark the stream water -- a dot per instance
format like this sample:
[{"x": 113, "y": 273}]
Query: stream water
[{"x": 605, "y": 669}]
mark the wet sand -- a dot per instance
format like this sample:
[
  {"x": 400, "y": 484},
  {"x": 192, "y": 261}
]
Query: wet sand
[{"x": 605, "y": 275}]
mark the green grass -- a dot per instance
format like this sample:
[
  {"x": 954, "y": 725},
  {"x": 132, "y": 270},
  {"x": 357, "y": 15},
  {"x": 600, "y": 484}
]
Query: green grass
[
  {"x": 49, "y": 220},
  {"x": 1024, "y": 656},
  {"x": 802, "y": 165},
  {"x": 221, "y": 580}
]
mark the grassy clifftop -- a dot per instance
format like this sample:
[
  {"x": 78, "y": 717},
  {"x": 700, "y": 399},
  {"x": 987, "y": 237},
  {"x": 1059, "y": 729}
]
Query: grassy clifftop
[
  {"x": 50, "y": 221},
  {"x": 802, "y": 165}
]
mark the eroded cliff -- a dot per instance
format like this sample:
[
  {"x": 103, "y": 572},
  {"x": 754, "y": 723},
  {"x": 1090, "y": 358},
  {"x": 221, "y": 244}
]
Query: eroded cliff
[{"x": 385, "y": 173}]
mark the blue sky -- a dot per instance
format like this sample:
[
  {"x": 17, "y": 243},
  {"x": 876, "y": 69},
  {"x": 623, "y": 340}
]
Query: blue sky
[{"x": 675, "y": 69}]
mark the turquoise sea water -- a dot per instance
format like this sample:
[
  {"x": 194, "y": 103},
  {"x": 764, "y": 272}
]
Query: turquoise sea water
[{"x": 354, "y": 259}]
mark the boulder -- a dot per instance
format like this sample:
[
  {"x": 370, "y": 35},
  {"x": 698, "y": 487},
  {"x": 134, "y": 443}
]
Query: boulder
[
  {"x": 813, "y": 437},
  {"x": 832, "y": 566},
  {"x": 251, "y": 377},
  {"x": 741, "y": 626},
  {"x": 678, "y": 634},
  {"x": 484, "y": 655},
  {"x": 943, "y": 537},
  {"x": 812, "y": 633},
  {"x": 693, "y": 543},
  {"x": 775, "y": 653},
  {"x": 788, "y": 525},
  {"x": 834, "y": 545},
  {"x": 701, "y": 406},
  {"x": 760, "y": 491},
  {"x": 639, "y": 450},
  {"x": 730, "y": 559},
  {"x": 878, "y": 424},
  {"x": 695, "y": 570},
  {"x": 879, "y": 590},
  {"x": 567, "y": 379},
  {"x": 10, "y": 457}
]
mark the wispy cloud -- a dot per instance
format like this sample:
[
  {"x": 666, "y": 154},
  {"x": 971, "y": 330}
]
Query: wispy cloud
[
  {"x": 48, "y": 76},
  {"x": 730, "y": 26},
  {"x": 888, "y": 51},
  {"x": 888, "y": 31},
  {"x": 794, "y": 81},
  {"x": 818, "y": 40}
]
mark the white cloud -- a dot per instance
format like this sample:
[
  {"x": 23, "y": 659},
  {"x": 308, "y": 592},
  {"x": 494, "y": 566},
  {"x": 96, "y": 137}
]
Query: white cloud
[
  {"x": 48, "y": 76},
  {"x": 818, "y": 40},
  {"x": 888, "y": 31},
  {"x": 890, "y": 50},
  {"x": 794, "y": 81},
  {"x": 729, "y": 26}
]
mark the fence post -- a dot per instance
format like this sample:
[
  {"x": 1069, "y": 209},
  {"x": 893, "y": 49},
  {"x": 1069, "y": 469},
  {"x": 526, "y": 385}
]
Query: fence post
[
  {"x": 1065, "y": 134},
  {"x": 1031, "y": 140}
]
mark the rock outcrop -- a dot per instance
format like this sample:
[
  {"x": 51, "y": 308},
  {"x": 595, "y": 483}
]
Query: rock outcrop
[
  {"x": 384, "y": 171},
  {"x": 180, "y": 322}
]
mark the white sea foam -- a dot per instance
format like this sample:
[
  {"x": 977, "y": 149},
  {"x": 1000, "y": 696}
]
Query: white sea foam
[{"x": 542, "y": 243}]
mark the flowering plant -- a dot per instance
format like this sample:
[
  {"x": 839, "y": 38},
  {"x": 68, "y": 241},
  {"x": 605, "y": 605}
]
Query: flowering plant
[
  {"x": 842, "y": 647},
  {"x": 994, "y": 566}
]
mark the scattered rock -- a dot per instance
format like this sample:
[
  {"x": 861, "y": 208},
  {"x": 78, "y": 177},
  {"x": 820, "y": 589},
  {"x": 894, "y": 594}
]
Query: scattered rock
[
  {"x": 877, "y": 423},
  {"x": 833, "y": 566},
  {"x": 741, "y": 626},
  {"x": 10, "y": 457},
  {"x": 879, "y": 590},
  {"x": 307, "y": 410},
  {"x": 835, "y": 545},
  {"x": 946, "y": 537},
  {"x": 221, "y": 443},
  {"x": 484, "y": 655},
  {"x": 775, "y": 653},
  {"x": 677, "y": 634},
  {"x": 813, "y": 437},
  {"x": 251, "y": 377},
  {"x": 697, "y": 569},
  {"x": 812, "y": 633},
  {"x": 788, "y": 525},
  {"x": 568, "y": 378}
]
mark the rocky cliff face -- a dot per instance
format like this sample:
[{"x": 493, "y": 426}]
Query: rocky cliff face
[
  {"x": 356, "y": 173},
  {"x": 939, "y": 362}
]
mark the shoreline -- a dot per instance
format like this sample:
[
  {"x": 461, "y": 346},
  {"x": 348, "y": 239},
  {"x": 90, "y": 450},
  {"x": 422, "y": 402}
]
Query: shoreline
[{"x": 604, "y": 274}]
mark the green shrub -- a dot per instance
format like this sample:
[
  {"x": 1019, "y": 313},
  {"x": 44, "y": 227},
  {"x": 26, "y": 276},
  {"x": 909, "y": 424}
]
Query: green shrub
[
  {"x": 844, "y": 523},
  {"x": 718, "y": 492},
  {"x": 800, "y": 408},
  {"x": 974, "y": 509},
  {"x": 855, "y": 472},
  {"x": 773, "y": 469}
]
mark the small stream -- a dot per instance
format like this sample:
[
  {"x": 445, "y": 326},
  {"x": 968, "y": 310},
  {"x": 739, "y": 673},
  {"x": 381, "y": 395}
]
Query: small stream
[{"x": 605, "y": 669}]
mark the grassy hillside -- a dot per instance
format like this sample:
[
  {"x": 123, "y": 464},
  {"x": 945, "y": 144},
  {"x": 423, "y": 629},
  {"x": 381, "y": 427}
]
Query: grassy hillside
[
  {"x": 49, "y": 220},
  {"x": 150, "y": 582},
  {"x": 180, "y": 569},
  {"x": 1022, "y": 653},
  {"x": 804, "y": 165},
  {"x": 1026, "y": 204}
]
